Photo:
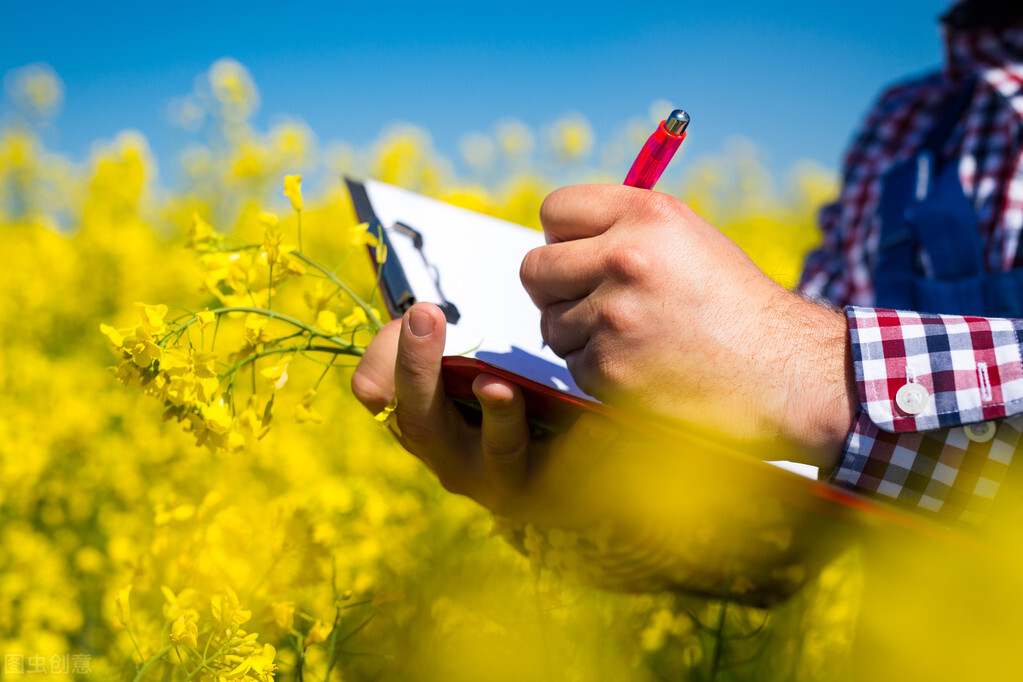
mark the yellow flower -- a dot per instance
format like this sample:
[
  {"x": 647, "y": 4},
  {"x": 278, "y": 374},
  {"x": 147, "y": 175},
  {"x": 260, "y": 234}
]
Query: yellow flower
[
  {"x": 572, "y": 138},
  {"x": 112, "y": 334},
  {"x": 386, "y": 413},
  {"x": 200, "y": 233},
  {"x": 277, "y": 375},
  {"x": 216, "y": 418},
  {"x": 318, "y": 298},
  {"x": 141, "y": 347},
  {"x": 255, "y": 330},
  {"x": 181, "y": 604},
  {"x": 356, "y": 319},
  {"x": 184, "y": 631},
  {"x": 123, "y": 601},
  {"x": 152, "y": 317},
  {"x": 165, "y": 515},
  {"x": 292, "y": 265},
  {"x": 317, "y": 633},
  {"x": 192, "y": 376},
  {"x": 284, "y": 613},
  {"x": 127, "y": 373},
  {"x": 206, "y": 318},
  {"x": 268, "y": 219},
  {"x": 272, "y": 246},
  {"x": 362, "y": 236},
  {"x": 327, "y": 321},
  {"x": 254, "y": 420},
  {"x": 293, "y": 190},
  {"x": 226, "y": 609},
  {"x": 37, "y": 88},
  {"x": 260, "y": 665},
  {"x": 304, "y": 411}
]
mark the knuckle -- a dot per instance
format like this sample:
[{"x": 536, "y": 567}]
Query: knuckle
[
  {"x": 363, "y": 387},
  {"x": 660, "y": 206},
  {"x": 547, "y": 327},
  {"x": 596, "y": 370},
  {"x": 500, "y": 503},
  {"x": 413, "y": 366},
  {"x": 551, "y": 204},
  {"x": 416, "y": 434},
  {"x": 618, "y": 316},
  {"x": 503, "y": 451},
  {"x": 629, "y": 262},
  {"x": 530, "y": 267},
  {"x": 451, "y": 482}
]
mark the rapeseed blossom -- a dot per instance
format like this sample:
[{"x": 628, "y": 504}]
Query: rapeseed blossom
[{"x": 297, "y": 539}]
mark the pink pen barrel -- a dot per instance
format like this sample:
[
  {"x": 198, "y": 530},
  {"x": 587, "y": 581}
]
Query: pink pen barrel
[{"x": 654, "y": 157}]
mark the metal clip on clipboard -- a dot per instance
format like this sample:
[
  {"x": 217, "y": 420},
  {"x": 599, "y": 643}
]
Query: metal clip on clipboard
[
  {"x": 451, "y": 313},
  {"x": 394, "y": 283}
]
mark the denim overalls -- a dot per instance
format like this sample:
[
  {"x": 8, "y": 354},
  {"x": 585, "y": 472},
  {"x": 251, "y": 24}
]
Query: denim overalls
[{"x": 926, "y": 217}]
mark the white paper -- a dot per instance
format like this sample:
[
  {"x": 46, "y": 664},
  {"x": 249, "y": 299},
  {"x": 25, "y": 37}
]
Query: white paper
[{"x": 477, "y": 258}]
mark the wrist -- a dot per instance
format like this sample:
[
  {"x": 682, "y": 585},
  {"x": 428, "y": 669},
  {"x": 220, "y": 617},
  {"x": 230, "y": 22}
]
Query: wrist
[{"x": 820, "y": 392}]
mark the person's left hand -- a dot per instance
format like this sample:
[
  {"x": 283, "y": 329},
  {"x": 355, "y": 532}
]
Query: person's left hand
[{"x": 558, "y": 481}]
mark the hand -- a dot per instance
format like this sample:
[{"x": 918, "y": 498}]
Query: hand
[
  {"x": 683, "y": 511},
  {"x": 654, "y": 308},
  {"x": 494, "y": 463}
]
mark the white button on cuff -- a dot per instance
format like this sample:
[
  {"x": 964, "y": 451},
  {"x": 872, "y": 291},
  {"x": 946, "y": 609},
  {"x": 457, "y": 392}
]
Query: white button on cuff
[
  {"x": 981, "y": 432},
  {"x": 912, "y": 398}
]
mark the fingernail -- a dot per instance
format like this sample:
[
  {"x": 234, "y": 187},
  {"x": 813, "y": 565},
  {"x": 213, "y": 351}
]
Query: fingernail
[{"x": 420, "y": 323}]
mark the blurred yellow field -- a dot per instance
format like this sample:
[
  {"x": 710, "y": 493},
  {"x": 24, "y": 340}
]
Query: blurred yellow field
[{"x": 281, "y": 532}]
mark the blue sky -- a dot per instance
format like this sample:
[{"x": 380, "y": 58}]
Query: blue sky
[{"x": 795, "y": 77}]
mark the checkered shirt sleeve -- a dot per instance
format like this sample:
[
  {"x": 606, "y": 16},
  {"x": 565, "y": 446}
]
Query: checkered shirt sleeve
[
  {"x": 948, "y": 453},
  {"x": 949, "y": 456}
]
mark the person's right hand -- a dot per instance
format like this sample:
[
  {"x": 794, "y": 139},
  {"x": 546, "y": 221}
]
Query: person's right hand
[{"x": 654, "y": 309}]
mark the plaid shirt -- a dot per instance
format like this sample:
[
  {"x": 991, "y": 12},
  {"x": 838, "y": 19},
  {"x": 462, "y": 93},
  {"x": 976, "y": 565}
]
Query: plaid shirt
[{"x": 945, "y": 444}]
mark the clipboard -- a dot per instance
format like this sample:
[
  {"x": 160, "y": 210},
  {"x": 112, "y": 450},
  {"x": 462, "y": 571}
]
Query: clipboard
[{"x": 467, "y": 264}]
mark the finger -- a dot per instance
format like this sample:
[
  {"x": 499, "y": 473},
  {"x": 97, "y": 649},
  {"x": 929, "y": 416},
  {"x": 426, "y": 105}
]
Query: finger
[
  {"x": 567, "y": 326},
  {"x": 584, "y": 211},
  {"x": 598, "y": 367},
  {"x": 565, "y": 271},
  {"x": 504, "y": 439},
  {"x": 570, "y": 483},
  {"x": 373, "y": 379},
  {"x": 426, "y": 423}
]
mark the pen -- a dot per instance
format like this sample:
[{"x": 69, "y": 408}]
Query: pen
[{"x": 657, "y": 152}]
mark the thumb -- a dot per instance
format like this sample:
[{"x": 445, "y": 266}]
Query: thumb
[{"x": 417, "y": 372}]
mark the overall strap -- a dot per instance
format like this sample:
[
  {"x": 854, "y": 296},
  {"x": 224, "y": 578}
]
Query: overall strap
[
  {"x": 922, "y": 206},
  {"x": 943, "y": 219}
]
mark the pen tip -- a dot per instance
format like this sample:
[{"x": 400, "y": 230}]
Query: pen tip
[{"x": 677, "y": 122}]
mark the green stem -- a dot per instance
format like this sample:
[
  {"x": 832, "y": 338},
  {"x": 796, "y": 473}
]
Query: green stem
[
  {"x": 332, "y": 645},
  {"x": 719, "y": 636},
  {"x": 319, "y": 381},
  {"x": 353, "y": 350},
  {"x": 160, "y": 654},
  {"x": 206, "y": 661},
  {"x": 366, "y": 308},
  {"x": 133, "y": 642},
  {"x": 273, "y": 316}
]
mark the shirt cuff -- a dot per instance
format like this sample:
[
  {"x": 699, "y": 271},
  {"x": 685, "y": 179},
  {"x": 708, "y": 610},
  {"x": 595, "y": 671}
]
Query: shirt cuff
[
  {"x": 958, "y": 370},
  {"x": 933, "y": 446}
]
